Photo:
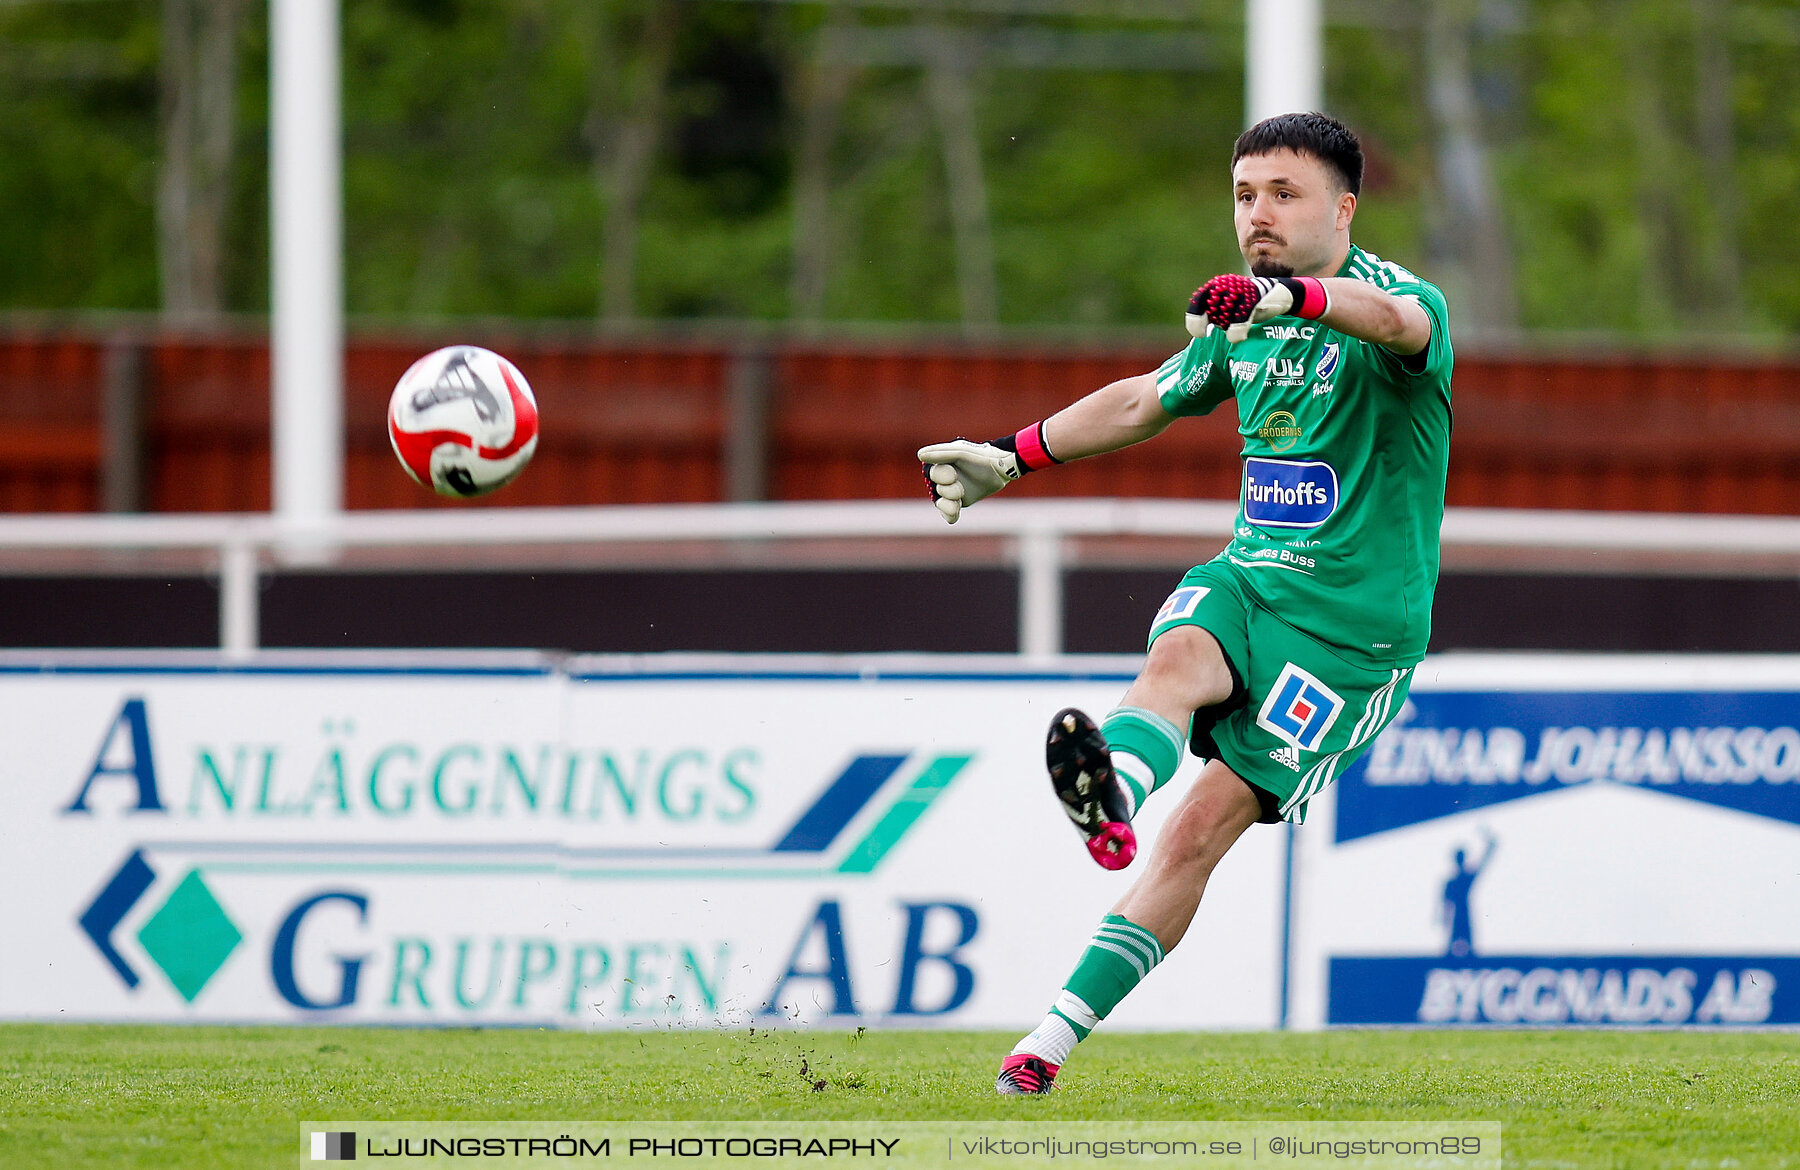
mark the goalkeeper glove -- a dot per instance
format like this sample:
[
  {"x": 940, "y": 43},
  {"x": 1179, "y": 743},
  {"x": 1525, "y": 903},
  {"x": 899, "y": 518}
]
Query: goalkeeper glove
[
  {"x": 961, "y": 472},
  {"x": 1238, "y": 302}
]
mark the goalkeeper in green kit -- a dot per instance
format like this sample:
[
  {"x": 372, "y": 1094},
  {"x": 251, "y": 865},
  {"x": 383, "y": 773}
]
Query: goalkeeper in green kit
[{"x": 1280, "y": 659}]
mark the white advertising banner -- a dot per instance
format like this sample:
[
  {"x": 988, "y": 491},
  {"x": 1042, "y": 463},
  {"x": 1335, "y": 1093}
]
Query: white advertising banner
[
  {"x": 595, "y": 845},
  {"x": 1536, "y": 840},
  {"x": 1582, "y": 841}
]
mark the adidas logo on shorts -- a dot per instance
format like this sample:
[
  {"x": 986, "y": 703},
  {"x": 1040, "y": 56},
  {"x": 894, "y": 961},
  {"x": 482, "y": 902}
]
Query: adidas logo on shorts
[{"x": 1288, "y": 757}]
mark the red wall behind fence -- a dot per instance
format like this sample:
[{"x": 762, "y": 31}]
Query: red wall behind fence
[{"x": 646, "y": 421}]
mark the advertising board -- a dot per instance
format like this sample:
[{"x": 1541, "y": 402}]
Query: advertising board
[
  {"x": 1536, "y": 840},
  {"x": 584, "y": 845},
  {"x": 1542, "y": 840}
]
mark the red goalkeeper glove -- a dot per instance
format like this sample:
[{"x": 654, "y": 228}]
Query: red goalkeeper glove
[{"x": 1235, "y": 303}]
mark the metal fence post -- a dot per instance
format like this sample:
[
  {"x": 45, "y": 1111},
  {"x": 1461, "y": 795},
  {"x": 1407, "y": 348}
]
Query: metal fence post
[
  {"x": 237, "y": 599},
  {"x": 749, "y": 391},
  {"x": 1040, "y": 593},
  {"x": 122, "y": 411}
]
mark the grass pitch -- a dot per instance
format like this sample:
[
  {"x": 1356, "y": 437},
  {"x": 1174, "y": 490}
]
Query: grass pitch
[{"x": 119, "y": 1096}]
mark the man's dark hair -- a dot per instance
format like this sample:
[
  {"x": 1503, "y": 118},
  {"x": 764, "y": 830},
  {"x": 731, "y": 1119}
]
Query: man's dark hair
[{"x": 1320, "y": 135}]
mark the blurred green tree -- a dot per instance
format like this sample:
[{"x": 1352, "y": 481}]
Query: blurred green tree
[{"x": 1027, "y": 162}]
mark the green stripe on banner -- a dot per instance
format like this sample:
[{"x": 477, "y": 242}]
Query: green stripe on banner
[{"x": 868, "y": 852}]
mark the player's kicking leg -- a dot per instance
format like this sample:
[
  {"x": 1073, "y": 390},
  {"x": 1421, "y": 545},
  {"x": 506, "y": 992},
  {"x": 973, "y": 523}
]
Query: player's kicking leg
[
  {"x": 1142, "y": 928},
  {"x": 1101, "y": 775},
  {"x": 1081, "y": 773}
]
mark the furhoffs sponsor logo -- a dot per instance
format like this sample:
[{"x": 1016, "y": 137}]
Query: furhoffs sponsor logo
[{"x": 1284, "y": 493}]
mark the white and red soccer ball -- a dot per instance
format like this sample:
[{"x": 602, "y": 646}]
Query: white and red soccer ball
[{"x": 463, "y": 421}]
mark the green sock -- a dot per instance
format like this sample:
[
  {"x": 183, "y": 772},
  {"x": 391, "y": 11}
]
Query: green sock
[
  {"x": 1118, "y": 957},
  {"x": 1146, "y": 750}
]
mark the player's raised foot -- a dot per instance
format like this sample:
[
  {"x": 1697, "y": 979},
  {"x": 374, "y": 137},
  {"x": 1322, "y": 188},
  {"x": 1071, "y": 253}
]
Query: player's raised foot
[
  {"x": 1022, "y": 1075},
  {"x": 1081, "y": 771}
]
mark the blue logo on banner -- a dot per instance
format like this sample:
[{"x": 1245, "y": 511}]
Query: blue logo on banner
[
  {"x": 1449, "y": 752},
  {"x": 1284, "y": 493},
  {"x": 1466, "y": 986},
  {"x": 1632, "y": 990},
  {"x": 1457, "y": 889}
]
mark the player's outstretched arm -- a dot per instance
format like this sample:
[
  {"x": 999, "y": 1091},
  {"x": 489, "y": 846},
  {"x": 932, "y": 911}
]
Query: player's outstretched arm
[
  {"x": 1234, "y": 303},
  {"x": 961, "y": 472},
  {"x": 1364, "y": 311},
  {"x": 1113, "y": 417}
]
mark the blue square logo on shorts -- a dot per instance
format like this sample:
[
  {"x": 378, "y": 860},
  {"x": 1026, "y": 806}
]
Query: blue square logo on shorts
[
  {"x": 1181, "y": 604},
  {"x": 1300, "y": 709}
]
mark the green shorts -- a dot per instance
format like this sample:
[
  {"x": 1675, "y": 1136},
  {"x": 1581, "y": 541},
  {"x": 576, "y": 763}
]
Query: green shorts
[{"x": 1299, "y": 711}]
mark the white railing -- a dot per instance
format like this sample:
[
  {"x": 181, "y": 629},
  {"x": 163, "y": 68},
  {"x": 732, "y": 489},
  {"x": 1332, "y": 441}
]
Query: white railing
[{"x": 1036, "y": 531}]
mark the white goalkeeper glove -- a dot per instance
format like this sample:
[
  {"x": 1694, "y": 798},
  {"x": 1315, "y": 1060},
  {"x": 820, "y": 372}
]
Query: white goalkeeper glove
[{"x": 961, "y": 472}]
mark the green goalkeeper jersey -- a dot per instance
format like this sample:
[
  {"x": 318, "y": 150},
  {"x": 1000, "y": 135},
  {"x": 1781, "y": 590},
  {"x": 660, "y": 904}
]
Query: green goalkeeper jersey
[{"x": 1346, "y": 445}]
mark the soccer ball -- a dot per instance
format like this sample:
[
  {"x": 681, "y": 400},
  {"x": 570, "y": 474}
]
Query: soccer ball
[{"x": 463, "y": 421}]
